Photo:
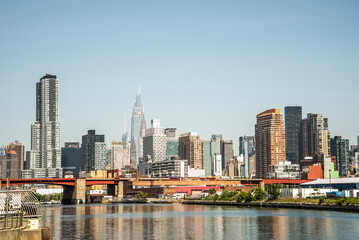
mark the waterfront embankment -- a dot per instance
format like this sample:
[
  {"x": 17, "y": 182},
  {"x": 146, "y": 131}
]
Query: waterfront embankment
[{"x": 264, "y": 204}]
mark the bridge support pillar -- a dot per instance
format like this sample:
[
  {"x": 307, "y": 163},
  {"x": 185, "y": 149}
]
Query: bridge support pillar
[
  {"x": 75, "y": 194},
  {"x": 120, "y": 190},
  {"x": 79, "y": 196}
]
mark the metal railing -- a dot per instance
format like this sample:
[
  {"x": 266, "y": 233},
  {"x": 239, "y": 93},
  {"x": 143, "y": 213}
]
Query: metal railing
[
  {"x": 11, "y": 220},
  {"x": 17, "y": 207}
]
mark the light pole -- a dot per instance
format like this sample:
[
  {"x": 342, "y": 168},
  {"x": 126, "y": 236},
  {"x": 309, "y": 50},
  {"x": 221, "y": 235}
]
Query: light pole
[{"x": 330, "y": 179}]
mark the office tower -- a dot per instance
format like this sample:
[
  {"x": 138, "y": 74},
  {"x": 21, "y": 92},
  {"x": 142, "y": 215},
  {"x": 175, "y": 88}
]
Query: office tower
[
  {"x": 190, "y": 147},
  {"x": 246, "y": 149},
  {"x": 10, "y": 165},
  {"x": 120, "y": 156},
  {"x": 71, "y": 158},
  {"x": 125, "y": 135},
  {"x": 217, "y": 164},
  {"x": 45, "y": 154},
  {"x": 93, "y": 151},
  {"x": 340, "y": 150},
  {"x": 251, "y": 147},
  {"x": 154, "y": 143},
  {"x": 136, "y": 122},
  {"x": 19, "y": 149},
  {"x": 142, "y": 135},
  {"x": 293, "y": 117},
  {"x": 172, "y": 142},
  {"x": 270, "y": 141},
  {"x": 358, "y": 141},
  {"x": 226, "y": 152},
  {"x": 314, "y": 137},
  {"x": 207, "y": 158}
]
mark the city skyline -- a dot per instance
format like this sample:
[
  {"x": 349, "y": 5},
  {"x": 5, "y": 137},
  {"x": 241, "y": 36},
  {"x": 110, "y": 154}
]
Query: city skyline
[{"x": 230, "y": 67}]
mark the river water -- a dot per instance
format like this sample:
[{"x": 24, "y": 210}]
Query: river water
[{"x": 176, "y": 221}]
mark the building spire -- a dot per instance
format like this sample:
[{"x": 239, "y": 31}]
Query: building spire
[{"x": 139, "y": 89}]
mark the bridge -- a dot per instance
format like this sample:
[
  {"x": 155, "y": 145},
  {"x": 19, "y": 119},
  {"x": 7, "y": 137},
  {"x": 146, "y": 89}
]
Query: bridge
[{"x": 75, "y": 188}]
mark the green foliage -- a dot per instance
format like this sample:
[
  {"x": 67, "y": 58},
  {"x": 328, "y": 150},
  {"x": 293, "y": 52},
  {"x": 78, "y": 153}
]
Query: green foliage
[
  {"x": 212, "y": 191},
  {"x": 48, "y": 197},
  {"x": 258, "y": 194},
  {"x": 340, "y": 201},
  {"x": 227, "y": 195},
  {"x": 321, "y": 200},
  {"x": 273, "y": 191},
  {"x": 241, "y": 196},
  {"x": 141, "y": 196},
  {"x": 215, "y": 197}
]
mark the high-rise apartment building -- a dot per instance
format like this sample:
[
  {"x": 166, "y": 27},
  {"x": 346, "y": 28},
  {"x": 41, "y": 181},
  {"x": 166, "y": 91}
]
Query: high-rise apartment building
[
  {"x": 10, "y": 165},
  {"x": 154, "y": 143},
  {"x": 45, "y": 154},
  {"x": 270, "y": 141},
  {"x": 71, "y": 158},
  {"x": 293, "y": 117},
  {"x": 136, "y": 122},
  {"x": 19, "y": 149},
  {"x": 314, "y": 137},
  {"x": 191, "y": 148},
  {"x": 93, "y": 151},
  {"x": 340, "y": 150}
]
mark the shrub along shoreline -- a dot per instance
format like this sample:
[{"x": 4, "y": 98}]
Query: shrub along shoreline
[
  {"x": 351, "y": 208},
  {"x": 259, "y": 198}
]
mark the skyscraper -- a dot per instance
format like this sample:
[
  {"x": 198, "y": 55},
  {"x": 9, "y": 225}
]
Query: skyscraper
[
  {"x": 270, "y": 141},
  {"x": 226, "y": 152},
  {"x": 246, "y": 149},
  {"x": 71, "y": 158},
  {"x": 293, "y": 117},
  {"x": 93, "y": 151},
  {"x": 136, "y": 121},
  {"x": 340, "y": 150},
  {"x": 154, "y": 143},
  {"x": 45, "y": 154},
  {"x": 314, "y": 137},
  {"x": 172, "y": 142},
  {"x": 191, "y": 148}
]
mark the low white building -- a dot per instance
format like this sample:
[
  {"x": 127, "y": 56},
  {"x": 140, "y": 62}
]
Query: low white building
[{"x": 43, "y": 191}]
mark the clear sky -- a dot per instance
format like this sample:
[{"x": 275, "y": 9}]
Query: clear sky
[{"x": 204, "y": 66}]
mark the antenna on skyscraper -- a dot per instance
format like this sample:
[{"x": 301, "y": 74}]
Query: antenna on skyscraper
[{"x": 139, "y": 89}]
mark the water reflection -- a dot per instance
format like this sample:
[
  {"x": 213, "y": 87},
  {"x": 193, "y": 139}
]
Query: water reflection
[{"x": 151, "y": 221}]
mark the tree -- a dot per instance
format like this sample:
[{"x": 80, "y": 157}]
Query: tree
[
  {"x": 258, "y": 194},
  {"x": 273, "y": 191},
  {"x": 212, "y": 191},
  {"x": 141, "y": 196}
]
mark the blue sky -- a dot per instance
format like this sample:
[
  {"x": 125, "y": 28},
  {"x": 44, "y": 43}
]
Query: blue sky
[{"x": 204, "y": 66}]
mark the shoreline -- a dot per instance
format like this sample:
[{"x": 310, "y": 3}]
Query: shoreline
[{"x": 346, "y": 208}]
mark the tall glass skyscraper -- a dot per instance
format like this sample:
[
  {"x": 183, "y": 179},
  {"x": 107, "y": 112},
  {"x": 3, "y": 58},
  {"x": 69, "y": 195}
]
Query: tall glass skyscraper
[
  {"x": 293, "y": 117},
  {"x": 136, "y": 121}
]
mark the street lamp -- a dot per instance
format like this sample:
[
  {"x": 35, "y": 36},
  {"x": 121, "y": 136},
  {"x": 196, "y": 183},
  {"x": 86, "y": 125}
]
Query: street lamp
[{"x": 330, "y": 179}]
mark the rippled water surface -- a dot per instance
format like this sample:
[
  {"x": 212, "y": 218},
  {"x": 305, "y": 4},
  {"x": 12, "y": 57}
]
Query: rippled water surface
[{"x": 176, "y": 221}]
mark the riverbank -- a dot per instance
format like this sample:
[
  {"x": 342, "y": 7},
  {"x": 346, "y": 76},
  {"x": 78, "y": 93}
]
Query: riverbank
[{"x": 351, "y": 208}]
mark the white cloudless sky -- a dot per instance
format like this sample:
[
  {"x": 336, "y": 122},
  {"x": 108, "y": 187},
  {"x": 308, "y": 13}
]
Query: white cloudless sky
[{"x": 204, "y": 66}]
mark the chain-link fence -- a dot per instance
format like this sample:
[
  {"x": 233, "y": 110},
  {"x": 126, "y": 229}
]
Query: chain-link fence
[{"x": 17, "y": 207}]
